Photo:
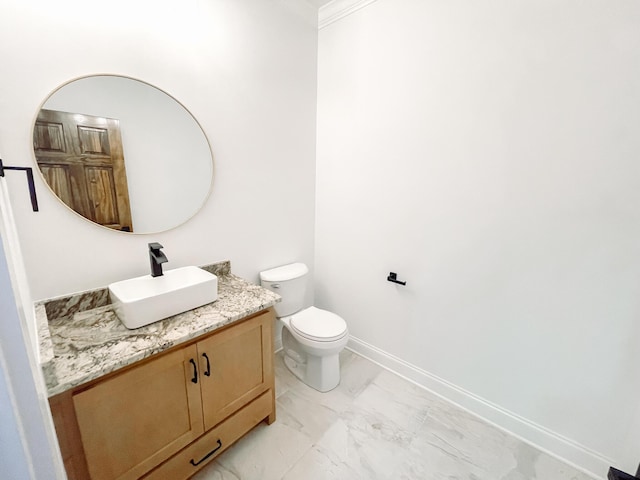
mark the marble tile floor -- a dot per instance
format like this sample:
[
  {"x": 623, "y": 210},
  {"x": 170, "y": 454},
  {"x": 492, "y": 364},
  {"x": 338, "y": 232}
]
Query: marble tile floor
[{"x": 376, "y": 425}]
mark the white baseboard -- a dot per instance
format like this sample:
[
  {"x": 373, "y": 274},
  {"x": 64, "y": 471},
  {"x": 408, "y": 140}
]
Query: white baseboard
[{"x": 578, "y": 456}]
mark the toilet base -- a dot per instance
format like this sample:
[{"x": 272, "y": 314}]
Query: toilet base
[{"x": 321, "y": 373}]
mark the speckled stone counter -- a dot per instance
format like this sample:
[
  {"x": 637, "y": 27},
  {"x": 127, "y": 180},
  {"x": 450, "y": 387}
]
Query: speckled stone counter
[{"x": 81, "y": 338}]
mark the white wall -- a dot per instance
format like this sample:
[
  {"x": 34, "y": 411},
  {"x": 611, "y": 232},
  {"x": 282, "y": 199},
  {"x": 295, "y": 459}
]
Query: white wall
[
  {"x": 488, "y": 153},
  {"x": 246, "y": 69}
]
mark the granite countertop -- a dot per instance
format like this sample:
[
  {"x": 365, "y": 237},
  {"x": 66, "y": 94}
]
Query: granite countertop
[{"x": 81, "y": 338}]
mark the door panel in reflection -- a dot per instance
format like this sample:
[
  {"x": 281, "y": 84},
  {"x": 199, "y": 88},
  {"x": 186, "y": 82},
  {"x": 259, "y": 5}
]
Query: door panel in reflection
[{"x": 82, "y": 160}]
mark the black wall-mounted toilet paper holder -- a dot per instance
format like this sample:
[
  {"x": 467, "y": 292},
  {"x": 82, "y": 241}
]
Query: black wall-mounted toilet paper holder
[{"x": 393, "y": 277}]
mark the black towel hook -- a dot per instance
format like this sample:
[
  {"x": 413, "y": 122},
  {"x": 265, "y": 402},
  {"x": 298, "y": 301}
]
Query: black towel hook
[{"x": 32, "y": 187}]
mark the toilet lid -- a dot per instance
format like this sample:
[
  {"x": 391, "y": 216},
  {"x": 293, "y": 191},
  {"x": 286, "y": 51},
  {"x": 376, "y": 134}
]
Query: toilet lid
[{"x": 319, "y": 325}]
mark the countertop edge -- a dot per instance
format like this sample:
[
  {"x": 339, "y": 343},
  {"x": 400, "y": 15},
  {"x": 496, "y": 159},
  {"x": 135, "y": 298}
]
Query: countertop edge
[
  {"x": 81, "y": 380},
  {"x": 71, "y": 356}
]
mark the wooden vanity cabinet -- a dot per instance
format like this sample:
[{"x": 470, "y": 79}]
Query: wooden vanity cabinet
[{"x": 170, "y": 415}]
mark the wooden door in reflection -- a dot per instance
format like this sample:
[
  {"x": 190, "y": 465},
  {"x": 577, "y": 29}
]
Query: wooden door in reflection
[{"x": 81, "y": 158}]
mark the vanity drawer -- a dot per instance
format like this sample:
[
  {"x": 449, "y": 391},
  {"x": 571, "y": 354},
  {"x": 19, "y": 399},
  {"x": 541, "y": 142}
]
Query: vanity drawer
[{"x": 214, "y": 442}]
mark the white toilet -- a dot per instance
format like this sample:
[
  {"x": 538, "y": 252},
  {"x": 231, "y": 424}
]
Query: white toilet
[{"x": 312, "y": 338}]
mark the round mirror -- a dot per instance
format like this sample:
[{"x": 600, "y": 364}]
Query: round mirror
[{"x": 123, "y": 154}]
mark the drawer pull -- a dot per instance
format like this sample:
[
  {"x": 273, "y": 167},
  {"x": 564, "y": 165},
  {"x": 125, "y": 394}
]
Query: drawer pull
[
  {"x": 207, "y": 455},
  {"x": 195, "y": 371},
  {"x": 208, "y": 372}
]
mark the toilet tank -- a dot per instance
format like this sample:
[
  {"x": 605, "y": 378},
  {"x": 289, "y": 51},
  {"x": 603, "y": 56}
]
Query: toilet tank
[{"x": 290, "y": 282}]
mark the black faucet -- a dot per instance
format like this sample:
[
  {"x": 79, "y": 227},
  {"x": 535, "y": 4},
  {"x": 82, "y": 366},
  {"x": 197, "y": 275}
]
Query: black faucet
[{"x": 156, "y": 258}]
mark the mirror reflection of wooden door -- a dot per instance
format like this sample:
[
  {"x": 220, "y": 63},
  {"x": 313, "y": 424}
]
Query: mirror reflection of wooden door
[{"x": 82, "y": 160}]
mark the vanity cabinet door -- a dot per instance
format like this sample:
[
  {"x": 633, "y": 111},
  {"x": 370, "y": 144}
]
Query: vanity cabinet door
[
  {"x": 237, "y": 367},
  {"x": 133, "y": 421}
]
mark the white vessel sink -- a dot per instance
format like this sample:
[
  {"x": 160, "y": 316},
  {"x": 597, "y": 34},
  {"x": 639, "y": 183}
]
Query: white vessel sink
[{"x": 143, "y": 300}]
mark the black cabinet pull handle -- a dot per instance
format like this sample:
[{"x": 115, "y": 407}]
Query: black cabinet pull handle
[
  {"x": 195, "y": 371},
  {"x": 194, "y": 463},
  {"x": 208, "y": 372}
]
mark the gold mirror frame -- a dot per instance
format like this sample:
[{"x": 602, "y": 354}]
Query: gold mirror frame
[{"x": 155, "y": 178}]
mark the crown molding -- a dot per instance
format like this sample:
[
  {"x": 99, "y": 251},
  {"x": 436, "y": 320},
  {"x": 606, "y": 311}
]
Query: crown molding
[{"x": 337, "y": 9}]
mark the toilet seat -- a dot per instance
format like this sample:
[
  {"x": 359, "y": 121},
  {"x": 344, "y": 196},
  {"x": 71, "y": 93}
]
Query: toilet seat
[{"x": 318, "y": 325}]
